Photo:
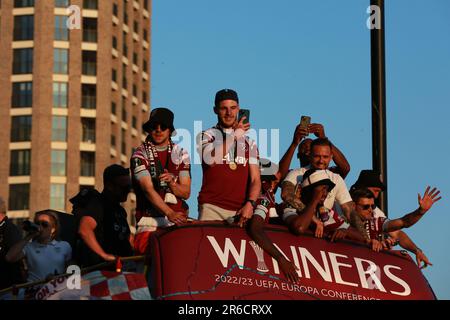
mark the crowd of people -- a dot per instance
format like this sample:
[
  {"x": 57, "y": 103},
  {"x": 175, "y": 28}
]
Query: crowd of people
[{"x": 237, "y": 187}]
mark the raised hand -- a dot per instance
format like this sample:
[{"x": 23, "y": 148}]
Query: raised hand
[
  {"x": 317, "y": 129},
  {"x": 429, "y": 198},
  {"x": 240, "y": 128},
  {"x": 299, "y": 134}
]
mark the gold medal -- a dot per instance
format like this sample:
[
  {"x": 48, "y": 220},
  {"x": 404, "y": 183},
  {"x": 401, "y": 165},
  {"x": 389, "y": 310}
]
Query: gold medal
[{"x": 233, "y": 165}]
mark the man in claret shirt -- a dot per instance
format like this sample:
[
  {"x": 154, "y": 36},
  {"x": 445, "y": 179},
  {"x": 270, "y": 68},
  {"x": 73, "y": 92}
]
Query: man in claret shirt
[
  {"x": 373, "y": 227},
  {"x": 231, "y": 178},
  {"x": 161, "y": 179}
]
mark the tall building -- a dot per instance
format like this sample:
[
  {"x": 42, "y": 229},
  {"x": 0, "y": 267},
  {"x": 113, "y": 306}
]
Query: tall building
[{"x": 72, "y": 101}]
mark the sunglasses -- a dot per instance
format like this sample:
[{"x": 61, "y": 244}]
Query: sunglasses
[
  {"x": 44, "y": 224},
  {"x": 367, "y": 206},
  {"x": 162, "y": 127}
]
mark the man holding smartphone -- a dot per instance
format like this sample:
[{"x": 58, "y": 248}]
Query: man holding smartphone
[{"x": 231, "y": 177}]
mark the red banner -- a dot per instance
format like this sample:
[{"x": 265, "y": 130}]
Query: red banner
[{"x": 214, "y": 261}]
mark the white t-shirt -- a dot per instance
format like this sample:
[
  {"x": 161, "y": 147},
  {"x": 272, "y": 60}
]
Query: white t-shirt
[
  {"x": 377, "y": 213},
  {"x": 339, "y": 193},
  {"x": 45, "y": 259}
]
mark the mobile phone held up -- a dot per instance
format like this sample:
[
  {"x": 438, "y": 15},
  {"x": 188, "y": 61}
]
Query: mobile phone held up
[
  {"x": 305, "y": 121},
  {"x": 244, "y": 113}
]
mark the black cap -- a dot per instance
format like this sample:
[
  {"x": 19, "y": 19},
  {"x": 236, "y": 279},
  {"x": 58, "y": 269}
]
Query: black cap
[
  {"x": 225, "y": 94},
  {"x": 159, "y": 116},
  {"x": 367, "y": 179},
  {"x": 113, "y": 171}
]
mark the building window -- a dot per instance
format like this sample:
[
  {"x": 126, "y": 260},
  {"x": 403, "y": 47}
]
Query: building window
[
  {"x": 125, "y": 15},
  {"x": 90, "y": 63},
  {"x": 89, "y": 29},
  {"x": 114, "y": 42},
  {"x": 61, "y": 30},
  {"x": 90, "y": 4},
  {"x": 60, "y": 93},
  {"x": 123, "y": 148},
  {"x": 135, "y": 90},
  {"x": 20, "y": 163},
  {"x": 22, "y": 95},
  {"x": 23, "y": 27},
  {"x": 23, "y": 61},
  {"x": 115, "y": 9},
  {"x": 59, "y": 128},
  {"x": 124, "y": 77},
  {"x": 21, "y": 128},
  {"x": 124, "y": 115},
  {"x": 58, "y": 164},
  {"x": 113, "y": 107},
  {"x": 144, "y": 97},
  {"x": 145, "y": 36},
  {"x": 134, "y": 122},
  {"x": 144, "y": 65},
  {"x": 89, "y": 96},
  {"x": 88, "y": 130},
  {"x": 87, "y": 164},
  {"x": 61, "y": 3},
  {"x": 19, "y": 197},
  {"x": 135, "y": 58},
  {"x": 146, "y": 4},
  {"x": 113, "y": 140},
  {"x": 23, "y": 3},
  {"x": 114, "y": 75},
  {"x": 57, "y": 196},
  {"x": 136, "y": 26},
  {"x": 61, "y": 61}
]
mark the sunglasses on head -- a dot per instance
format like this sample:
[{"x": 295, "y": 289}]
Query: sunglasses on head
[
  {"x": 162, "y": 127},
  {"x": 367, "y": 206},
  {"x": 44, "y": 224}
]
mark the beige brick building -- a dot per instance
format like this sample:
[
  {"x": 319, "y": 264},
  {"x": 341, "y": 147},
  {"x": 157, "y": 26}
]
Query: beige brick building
[{"x": 72, "y": 101}]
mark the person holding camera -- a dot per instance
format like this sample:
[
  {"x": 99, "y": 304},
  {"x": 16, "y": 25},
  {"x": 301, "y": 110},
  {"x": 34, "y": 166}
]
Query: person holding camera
[
  {"x": 161, "y": 179},
  {"x": 9, "y": 235},
  {"x": 320, "y": 158},
  {"x": 45, "y": 256},
  {"x": 304, "y": 150},
  {"x": 231, "y": 178},
  {"x": 103, "y": 230}
]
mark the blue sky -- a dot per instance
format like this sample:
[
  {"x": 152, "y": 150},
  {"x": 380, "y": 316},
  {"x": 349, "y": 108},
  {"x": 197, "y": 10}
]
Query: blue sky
[{"x": 293, "y": 57}]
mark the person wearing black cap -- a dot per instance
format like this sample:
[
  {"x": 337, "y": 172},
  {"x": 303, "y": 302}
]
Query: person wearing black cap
[
  {"x": 370, "y": 180},
  {"x": 103, "y": 230},
  {"x": 231, "y": 178},
  {"x": 161, "y": 178}
]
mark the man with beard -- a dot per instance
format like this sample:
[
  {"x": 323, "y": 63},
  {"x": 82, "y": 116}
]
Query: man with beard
[
  {"x": 231, "y": 178},
  {"x": 103, "y": 231}
]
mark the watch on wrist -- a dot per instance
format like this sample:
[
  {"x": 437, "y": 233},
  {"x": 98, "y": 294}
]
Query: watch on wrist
[{"x": 252, "y": 202}]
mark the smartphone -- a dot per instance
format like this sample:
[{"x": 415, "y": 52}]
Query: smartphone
[
  {"x": 244, "y": 113},
  {"x": 305, "y": 121}
]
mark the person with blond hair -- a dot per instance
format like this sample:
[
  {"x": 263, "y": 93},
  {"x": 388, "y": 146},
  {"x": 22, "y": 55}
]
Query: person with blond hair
[{"x": 45, "y": 255}]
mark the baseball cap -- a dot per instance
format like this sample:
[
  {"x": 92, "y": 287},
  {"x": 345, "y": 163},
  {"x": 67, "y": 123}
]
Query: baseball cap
[{"x": 225, "y": 94}]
